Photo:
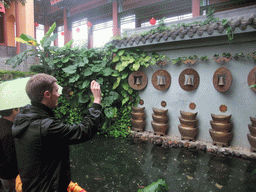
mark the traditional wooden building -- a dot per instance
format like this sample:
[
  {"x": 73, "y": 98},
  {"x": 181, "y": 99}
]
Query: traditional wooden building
[{"x": 18, "y": 19}]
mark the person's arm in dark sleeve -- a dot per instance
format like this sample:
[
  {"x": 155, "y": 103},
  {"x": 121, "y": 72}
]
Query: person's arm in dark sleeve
[
  {"x": 76, "y": 133},
  {"x": 83, "y": 131}
]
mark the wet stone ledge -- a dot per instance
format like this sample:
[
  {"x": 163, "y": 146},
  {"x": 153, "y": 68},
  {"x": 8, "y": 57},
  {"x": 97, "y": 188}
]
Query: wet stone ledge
[{"x": 205, "y": 146}]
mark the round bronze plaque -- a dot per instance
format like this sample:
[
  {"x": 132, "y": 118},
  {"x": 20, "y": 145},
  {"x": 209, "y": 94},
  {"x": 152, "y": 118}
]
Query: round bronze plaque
[
  {"x": 141, "y": 102},
  {"x": 161, "y": 80},
  {"x": 223, "y": 108},
  {"x": 189, "y": 79},
  {"x": 222, "y": 79},
  {"x": 138, "y": 80},
  {"x": 163, "y": 104},
  {"x": 251, "y": 79},
  {"x": 192, "y": 106}
]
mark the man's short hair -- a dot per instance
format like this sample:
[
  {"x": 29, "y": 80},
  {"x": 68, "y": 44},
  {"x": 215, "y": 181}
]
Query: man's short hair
[
  {"x": 38, "y": 84},
  {"x": 7, "y": 112}
]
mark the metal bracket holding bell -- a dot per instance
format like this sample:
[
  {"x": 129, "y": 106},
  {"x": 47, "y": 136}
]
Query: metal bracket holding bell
[
  {"x": 161, "y": 80},
  {"x": 138, "y": 80},
  {"x": 189, "y": 79},
  {"x": 222, "y": 79}
]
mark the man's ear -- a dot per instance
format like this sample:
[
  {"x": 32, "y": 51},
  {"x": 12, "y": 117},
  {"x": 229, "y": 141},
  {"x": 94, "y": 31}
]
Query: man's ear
[{"x": 47, "y": 94}]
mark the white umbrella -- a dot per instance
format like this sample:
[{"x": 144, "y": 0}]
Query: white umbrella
[{"x": 13, "y": 94}]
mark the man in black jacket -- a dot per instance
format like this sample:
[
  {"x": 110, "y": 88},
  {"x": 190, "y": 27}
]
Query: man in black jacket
[
  {"x": 42, "y": 142},
  {"x": 8, "y": 163}
]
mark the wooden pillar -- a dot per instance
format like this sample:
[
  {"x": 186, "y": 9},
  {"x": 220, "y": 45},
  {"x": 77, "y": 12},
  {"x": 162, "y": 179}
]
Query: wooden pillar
[
  {"x": 46, "y": 29},
  {"x": 195, "y": 8},
  {"x": 17, "y": 26},
  {"x": 90, "y": 37},
  {"x": 35, "y": 32},
  {"x": 116, "y": 29},
  {"x": 67, "y": 32},
  {"x": 56, "y": 40},
  {"x": 46, "y": 26},
  {"x": 5, "y": 30},
  {"x": 137, "y": 22}
]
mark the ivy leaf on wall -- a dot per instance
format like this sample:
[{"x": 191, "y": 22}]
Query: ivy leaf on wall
[
  {"x": 85, "y": 84},
  {"x": 74, "y": 101},
  {"x": 115, "y": 74},
  {"x": 114, "y": 94},
  {"x": 153, "y": 61},
  {"x": 70, "y": 69},
  {"x": 83, "y": 97},
  {"x": 121, "y": 66},
  {"x": 96, "y": 68},
  {"x": 120, "y": 53},
  {"x": 86, "y": 61},
  {"x": 125, "y": 58},
  {"x": 100, "y": 80},
  {"x": 110, "y": 112},
  {"x": 103, "y": 63},
  {"x": 124, "y": 93},
  {"x": 116, "y": 58},
  {"x": 125, "y": 100},
  {"x": 126, "y": 86},
  {"x": 124, "y": 75},
  {"x": 116, "y": 84},
  {"x": 87, "y": 72},
  {"x": 136, "y": 66},
  {"x": 108, "y": 71},
  {"x": 74, "y": 78},
  {"x": 147, "y": 59},
  {"x": 131, "y": 60},
  {"x": 111, "y": 98},
  {"x": 130, "y": 90},
  {"x": 65, "y": 59}
]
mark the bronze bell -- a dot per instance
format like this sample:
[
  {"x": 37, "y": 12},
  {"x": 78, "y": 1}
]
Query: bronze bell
[
  {"x": 138, "y": 81},
  {"x": 221, "y": 81},
  {"x": 161, "y": 81},
  {"x": 189, "y": 81}
]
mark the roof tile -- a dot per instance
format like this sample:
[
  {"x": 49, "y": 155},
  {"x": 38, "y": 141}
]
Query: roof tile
[{"x": 241, "y": 22}]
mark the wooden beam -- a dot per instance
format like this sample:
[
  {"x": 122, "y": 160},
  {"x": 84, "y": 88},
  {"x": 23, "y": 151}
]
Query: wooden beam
[
  {"x": 87, "y": 6},
  {"x": 132, "y": 4}
]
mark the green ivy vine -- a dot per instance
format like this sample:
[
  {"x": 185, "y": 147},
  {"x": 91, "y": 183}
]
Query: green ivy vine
[{"x": 76, "y": 67}]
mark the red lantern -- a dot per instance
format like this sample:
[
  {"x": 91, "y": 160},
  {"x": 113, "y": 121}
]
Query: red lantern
[
  {"x": 2, "y": 9},
  {"x": 89, "y": 24},
  {"x": 62, "y": 33},
  {"x": 77, "y": 30},
  {"x": 36, "y": 24},
  {"x": 152, "y": 21}
]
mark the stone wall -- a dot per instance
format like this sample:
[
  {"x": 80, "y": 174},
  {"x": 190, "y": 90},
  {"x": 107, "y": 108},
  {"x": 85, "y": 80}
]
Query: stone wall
[{"x": 7, "y": 52}]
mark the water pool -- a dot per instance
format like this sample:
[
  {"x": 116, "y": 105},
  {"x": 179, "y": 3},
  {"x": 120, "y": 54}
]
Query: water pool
[{"x": 124, "y": 164}]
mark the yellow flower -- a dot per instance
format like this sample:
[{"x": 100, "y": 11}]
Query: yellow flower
[{"x": 71, "y": 93}]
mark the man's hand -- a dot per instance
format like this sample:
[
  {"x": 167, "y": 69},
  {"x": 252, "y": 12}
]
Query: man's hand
[{"x": 95, "y": 88}]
